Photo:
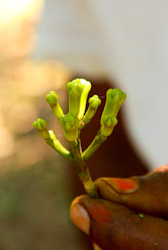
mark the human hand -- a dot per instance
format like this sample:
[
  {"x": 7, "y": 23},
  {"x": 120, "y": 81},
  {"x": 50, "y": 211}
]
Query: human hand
[{"x": 130, "y": 214}]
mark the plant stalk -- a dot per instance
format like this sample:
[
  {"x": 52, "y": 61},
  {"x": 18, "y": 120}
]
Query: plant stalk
[
  {"x": 96, "y": 143},
  {"x": 57, "y": 146},
  {"x": 82, "y": 170}
]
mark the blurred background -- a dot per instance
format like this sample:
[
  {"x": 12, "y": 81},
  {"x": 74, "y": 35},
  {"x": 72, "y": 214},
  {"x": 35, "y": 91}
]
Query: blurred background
[{"x": 45, "y": 44}]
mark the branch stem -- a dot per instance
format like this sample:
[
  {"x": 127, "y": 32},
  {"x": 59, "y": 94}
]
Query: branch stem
[
  {"x": 82, "y": 170},
  {"x": 57, "y": 146},
  {"x": 95, "y": 144}
]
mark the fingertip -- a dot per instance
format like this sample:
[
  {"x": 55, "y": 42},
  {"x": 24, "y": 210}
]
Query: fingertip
[
  {"x": 163, "y": 168},
  {"x": 76, "y": 201},
  {"x": 79, "y": 215}
]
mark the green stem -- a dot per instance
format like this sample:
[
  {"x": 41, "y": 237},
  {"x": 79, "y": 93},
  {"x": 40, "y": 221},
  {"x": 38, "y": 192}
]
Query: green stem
[
  {"x": 57, "y": 146},
  {"x": 82, "y": 170},
  {"x": 96, "y": 143}
]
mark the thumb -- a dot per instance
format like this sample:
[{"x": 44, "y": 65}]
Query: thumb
[{"x": 113, "y": 226}]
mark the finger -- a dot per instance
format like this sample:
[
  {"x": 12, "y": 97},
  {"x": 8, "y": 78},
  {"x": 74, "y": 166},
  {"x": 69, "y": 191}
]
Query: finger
[
  {"x": 163, "y": 168},
  {"x": 148, "y": 194},
  {"x": 113, "y": 226}
]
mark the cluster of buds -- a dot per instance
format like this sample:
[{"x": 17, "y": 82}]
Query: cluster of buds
[{"x": 77, "y": 118}]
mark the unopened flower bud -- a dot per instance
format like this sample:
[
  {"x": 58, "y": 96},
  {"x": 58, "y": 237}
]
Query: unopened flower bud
[
  {"x": 70, "y": 126},
  {"x": 114, "y": 100},
  {"x": 41, "y": 126},
  {"x": 78, "y": 92},
  {"x": 94, "y": 103},
  {"x": 52, "y": 99}
]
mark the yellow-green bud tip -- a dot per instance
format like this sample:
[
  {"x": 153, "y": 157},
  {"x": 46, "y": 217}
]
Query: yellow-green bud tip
[
  {"x": 70, "y": 126},
  {"x": 78, "y": 92},
  {"x": 117, "y": 96},
  {"x": 111, "y": 122},
  {"x": 78, "y": 85},
  {"x": 40, "y": 124},
  {"x": 52, "y": 98},
  {"x": 94, "y": 102},
  {"x": 69, "y": 121}
]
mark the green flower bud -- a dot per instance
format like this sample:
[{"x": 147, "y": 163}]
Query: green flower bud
[
  {"x": 41, "y": 126},
  {"x": 108, "y": 126},
  {"x": 70, "y": 126},
  {"x": 114, "y": 100},
  {"x": 78, "y": 92},
  {"x": 94, "y": 103},
  {"x": 52, "y": 99}
]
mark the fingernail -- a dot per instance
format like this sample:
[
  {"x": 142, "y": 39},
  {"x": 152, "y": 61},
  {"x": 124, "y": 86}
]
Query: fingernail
[
  {"x": 80, "y": 217},
  {"x": 122, "y": 185}
]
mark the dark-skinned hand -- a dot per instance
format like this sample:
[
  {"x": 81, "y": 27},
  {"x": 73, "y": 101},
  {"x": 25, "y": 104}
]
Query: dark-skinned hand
[{"x": 130, "y": 214}]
